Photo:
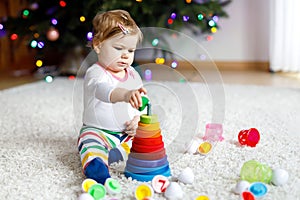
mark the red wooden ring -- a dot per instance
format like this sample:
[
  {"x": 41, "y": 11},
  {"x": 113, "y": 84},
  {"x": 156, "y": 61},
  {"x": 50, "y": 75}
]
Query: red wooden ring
[
  {"x": 146, "y": 149},
  {"x": 148, "y": 141}
]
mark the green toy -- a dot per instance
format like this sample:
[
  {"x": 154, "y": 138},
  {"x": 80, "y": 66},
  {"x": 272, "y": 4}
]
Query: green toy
[{"x": 253, "y": 171}]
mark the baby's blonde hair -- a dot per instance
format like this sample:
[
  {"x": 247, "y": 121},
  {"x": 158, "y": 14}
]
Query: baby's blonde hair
[{"x": 107, "y": 24}]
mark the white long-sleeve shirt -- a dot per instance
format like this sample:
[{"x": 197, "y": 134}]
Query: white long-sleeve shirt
[{"x": 98, "y": 110}]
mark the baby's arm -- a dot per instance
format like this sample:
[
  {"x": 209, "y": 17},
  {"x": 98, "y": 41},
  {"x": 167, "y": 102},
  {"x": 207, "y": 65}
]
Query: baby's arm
[{"x": 133, "y": 97}]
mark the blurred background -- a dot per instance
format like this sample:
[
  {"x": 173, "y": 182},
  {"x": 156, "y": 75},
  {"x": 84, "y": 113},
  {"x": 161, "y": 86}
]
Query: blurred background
[{"x": 253, "y": 42}]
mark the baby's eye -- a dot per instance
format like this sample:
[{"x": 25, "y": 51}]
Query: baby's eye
[
  {"x": 131, "y": 50},
  {"x": 118, "y": 48}
]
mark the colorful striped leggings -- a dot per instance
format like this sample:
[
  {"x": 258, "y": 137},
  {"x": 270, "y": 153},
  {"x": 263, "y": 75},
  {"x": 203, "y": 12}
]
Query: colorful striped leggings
[{"x": 94, "y": 142}]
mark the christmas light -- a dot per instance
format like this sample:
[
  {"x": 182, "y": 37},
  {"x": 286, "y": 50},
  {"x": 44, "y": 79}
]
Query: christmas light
[
  {"x": 25, "y": 13},
  {"x": 36, "y": 35},
  {"x": 41, "y": 45},
  {"x": 159, "y": 61},
  {"x": 72, "y": 77},
  {"x": 139, "y": 1},
  {"x": 185, "y": 18},
  {"x": 174, "y": 64},
  {"x": 52, "y": 34},
  {"x": 49, "y": 79},
  {"x": 33, "y": 43},
  {"x": 209, "y": 38},
  {"x": 170, "y": 21},
  {"x": 39, "y": 63},
  {"x": 54, "y": 21},
  {"x": 82, "y": 19},
  {"x": 2, "y": 31},
  {"x": 215, "y": 18},
  {"x": 62, "y": 3},
  {"x": 213, "y": 29},
  {"x": 211, "y": 23},
  {"x": 34, "y": 6},
  {"x": 200, "y": 17},
  {"x": 89, "y": 36},
  {"x": 14, "y": 36},
  {"x": 155, "y": 42},
  {"x": 188, "y": 1},
  {"x": 173, "y": 15},
  {"x": 148, "y": 75}
]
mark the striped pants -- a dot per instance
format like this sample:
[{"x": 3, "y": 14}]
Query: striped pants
[{"x": 94, "y": 142}]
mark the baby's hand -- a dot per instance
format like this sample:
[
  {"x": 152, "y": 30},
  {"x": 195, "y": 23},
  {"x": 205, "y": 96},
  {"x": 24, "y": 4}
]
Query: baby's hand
[
  {"x": 134, "y": 97},
  {"x": 132, "y": 125}
]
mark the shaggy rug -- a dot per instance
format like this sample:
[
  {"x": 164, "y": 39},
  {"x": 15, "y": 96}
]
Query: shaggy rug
[{"x": 40, "y": 122}]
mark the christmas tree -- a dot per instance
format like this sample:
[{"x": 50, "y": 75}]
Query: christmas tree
[{"x": 59, "y": 26}]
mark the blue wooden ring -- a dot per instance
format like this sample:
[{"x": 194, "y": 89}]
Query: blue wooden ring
[
  {"x": 147, "y": 170},
  {"x": 145, "y": 178},
  {"x": 147, "y": 163}
]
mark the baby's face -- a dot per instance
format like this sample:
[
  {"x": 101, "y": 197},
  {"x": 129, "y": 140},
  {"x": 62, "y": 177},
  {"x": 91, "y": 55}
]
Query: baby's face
[{"x": 117, "y": 53}]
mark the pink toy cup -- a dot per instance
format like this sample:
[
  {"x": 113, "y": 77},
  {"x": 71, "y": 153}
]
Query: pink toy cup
[
  {"x": 249, "y": 137},
  {"x": 213, "y": 132}
]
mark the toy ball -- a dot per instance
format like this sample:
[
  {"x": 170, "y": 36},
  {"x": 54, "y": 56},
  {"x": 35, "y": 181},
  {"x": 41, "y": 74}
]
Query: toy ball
[
  {"x": 112, "y": 186},
  {"x": 253, "y": 171},
  {"x": 87, "y": 183},
  {"x": 202, "y": 197},
  {"x": 249, "y": 137},
  {"x": 258, "y": 189},
  {"x": 204, "y": 148},
  {"x": 186, "y": 176},
  {"x": 97, "y": 191},
  {"x": 160, "y": 183},
  {"x": 143, "y": 191},
  {"x": 174, "y": 191},
  {"x": 279, "y": 177},
  {"x": 241, "y": 186},
  {"x": 247, "y": 195},
  {"x": 85, "y": 196}
]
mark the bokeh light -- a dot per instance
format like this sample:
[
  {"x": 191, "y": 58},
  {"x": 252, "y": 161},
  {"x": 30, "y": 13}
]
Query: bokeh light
[
  {"x": 33, "y": 43},
  {"x": 54, "y": 21},
  {"x": 49, "y": 79},
  {"x": 39, "y": 63},
  {"x": 155, "y": 42},
  {"x": 82, "y": 19},
  {"x": 14, "y": 36},
  {"x": 89, "y": 36}
]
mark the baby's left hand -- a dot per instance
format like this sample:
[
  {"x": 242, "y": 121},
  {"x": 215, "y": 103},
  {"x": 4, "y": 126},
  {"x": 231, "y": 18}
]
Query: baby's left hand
[{"x": 132, "y": 125}]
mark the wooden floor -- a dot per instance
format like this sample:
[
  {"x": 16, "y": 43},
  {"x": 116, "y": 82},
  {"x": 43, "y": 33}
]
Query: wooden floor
[{"x": 229, "y": 77}]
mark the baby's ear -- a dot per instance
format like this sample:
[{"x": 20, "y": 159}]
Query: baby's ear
[{"x": 97, "y": 47}]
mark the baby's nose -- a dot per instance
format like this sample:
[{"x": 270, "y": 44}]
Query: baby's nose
[{"x": 124, "y": 55}]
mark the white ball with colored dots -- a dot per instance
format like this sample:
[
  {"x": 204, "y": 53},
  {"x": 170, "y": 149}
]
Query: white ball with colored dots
[
  {"x": 279, "y": 177},
  {"x": 85, "y": 196}
]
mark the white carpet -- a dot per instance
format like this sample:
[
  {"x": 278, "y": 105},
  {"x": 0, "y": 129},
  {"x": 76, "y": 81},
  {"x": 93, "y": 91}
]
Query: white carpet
[{"x": 39, "y": 160}]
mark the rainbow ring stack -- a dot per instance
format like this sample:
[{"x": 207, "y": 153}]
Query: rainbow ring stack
[{"x": 147, "y": 157}]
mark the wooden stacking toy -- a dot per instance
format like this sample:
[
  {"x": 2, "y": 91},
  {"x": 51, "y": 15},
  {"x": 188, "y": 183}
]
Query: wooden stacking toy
[{"x": 147, "y": 157}]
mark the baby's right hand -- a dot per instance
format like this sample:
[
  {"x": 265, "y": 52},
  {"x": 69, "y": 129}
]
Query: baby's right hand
[{"x": 134, "y": 97}]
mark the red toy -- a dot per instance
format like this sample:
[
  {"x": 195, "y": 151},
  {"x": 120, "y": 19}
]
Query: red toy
[{"x": 249, "y": 137}]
